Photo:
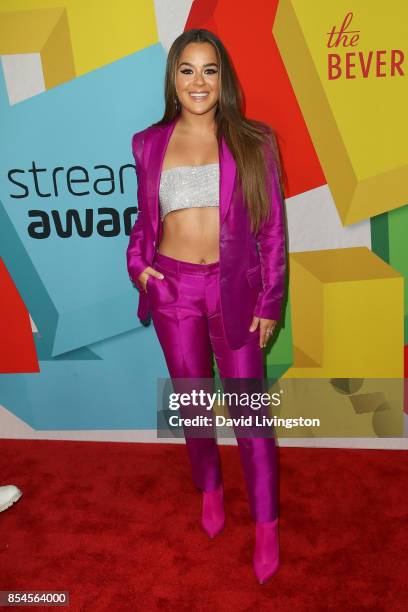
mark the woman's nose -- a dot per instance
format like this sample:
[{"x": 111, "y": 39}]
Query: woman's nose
[{"x": 198, "y": 78}]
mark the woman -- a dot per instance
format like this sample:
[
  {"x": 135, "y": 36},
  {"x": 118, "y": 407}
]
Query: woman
[{"x": 207, "y": 253}]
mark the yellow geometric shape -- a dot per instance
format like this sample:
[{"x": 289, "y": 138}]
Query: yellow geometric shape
[
  {"x": 347, "y": 315},
  {"x": 353, "y": 98},
  {"x": 45, "y": 31},
  {"x": 73, "y": 36},
  {"x": 336, "y": 413}
]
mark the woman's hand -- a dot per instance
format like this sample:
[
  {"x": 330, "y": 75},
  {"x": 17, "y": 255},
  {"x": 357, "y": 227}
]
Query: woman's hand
[
  {"x": 149, "y": 271},
  {"x": 266, "y": 329}
]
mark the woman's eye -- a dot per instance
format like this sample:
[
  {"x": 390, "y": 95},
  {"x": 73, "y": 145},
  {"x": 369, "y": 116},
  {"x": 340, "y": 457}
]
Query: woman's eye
[{"x": 208, "y": 71}]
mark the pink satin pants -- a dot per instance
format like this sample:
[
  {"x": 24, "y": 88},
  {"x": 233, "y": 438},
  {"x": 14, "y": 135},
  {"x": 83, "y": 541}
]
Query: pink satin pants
[{"x": 187, "y": 318}]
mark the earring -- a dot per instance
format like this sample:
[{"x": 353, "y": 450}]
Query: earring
[{"x": 176, "y": 102}]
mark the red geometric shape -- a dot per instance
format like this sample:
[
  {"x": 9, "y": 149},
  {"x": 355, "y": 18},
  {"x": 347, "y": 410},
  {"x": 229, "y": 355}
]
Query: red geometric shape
[
  {"x": 406, "y": 361},
  {"x": 17, "y": 347},
  {"x": 246, "y": 31}
]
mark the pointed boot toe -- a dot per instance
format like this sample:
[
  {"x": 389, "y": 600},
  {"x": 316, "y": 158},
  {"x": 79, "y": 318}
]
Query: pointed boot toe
[
  {"x": 266, "y": 555},
  {"x": 213, "y": 515}
]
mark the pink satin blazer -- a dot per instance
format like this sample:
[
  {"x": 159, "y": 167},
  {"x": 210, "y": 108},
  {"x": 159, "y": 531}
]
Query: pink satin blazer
[{"x": 252, "y": 267}]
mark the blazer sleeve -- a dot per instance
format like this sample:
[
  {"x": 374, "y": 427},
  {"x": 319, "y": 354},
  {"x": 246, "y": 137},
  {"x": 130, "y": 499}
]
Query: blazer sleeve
[
  {"x": 272, "y": 248},
  {"x": 135, "y": 261}
]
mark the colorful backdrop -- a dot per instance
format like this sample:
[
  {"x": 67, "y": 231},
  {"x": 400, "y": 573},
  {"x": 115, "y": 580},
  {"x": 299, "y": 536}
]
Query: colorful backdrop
[{"x": 77, "y": 80}]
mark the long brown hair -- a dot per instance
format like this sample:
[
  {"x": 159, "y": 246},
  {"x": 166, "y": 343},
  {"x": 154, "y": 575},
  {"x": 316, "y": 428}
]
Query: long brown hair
[{"x": 249, "y": 140}]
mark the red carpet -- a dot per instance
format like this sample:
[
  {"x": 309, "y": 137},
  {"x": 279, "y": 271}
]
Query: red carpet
[{"x": 117, "y": 525}]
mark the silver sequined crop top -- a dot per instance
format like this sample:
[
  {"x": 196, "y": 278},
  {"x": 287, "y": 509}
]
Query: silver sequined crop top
[{"x": 188, "y": 187}]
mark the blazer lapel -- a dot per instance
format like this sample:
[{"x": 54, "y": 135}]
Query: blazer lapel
[
  {"x": 158, "y": 149},
  {"x": 228, "y": 169}
]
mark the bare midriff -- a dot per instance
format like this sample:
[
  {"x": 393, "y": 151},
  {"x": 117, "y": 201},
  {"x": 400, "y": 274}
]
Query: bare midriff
[{"x": 191, "y": 234}]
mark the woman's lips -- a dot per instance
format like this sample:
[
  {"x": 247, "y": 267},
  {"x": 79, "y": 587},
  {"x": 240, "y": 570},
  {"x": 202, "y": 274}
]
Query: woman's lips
[{"x": 198, "y": 97}]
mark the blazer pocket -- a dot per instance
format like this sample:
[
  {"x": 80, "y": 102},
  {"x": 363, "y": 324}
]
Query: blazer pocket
[{"x": 254, "y": 276}]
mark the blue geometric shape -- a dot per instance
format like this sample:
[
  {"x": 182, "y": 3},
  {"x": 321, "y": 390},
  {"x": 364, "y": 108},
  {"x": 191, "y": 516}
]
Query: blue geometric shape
[
  {"x": 116, "y": 390},
  {"x": 76, "y": 287},
  {"x": 98, "y": 365}
]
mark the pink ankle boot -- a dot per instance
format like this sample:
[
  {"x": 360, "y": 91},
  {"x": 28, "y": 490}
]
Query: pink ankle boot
[
  {"x": 213, "y": 516},
  {"x": 266, "y": 555}
]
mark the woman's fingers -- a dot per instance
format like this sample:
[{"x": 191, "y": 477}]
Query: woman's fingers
[
  {"x": 155, "y": 273},
  {"x": 149, "y": 271},
  {"x": 266, "y": 330},
  {"x": 266, "y": 327},
  {"x": 254, "y": 324}
]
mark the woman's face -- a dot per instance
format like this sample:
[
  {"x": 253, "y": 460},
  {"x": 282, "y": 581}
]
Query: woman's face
[{"x": 197, "y": 72}]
